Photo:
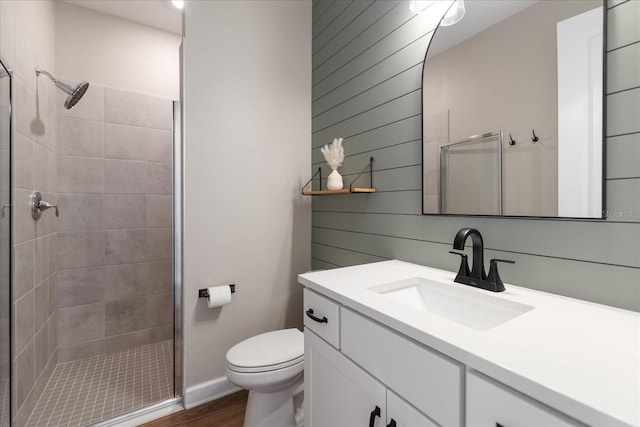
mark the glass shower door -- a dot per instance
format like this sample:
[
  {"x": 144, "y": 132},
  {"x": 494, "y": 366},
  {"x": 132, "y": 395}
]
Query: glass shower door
[
  {"x": 471, "y": 176},
  {"x": 5, "y": 245}
]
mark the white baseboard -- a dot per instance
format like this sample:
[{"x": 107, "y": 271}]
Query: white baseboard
[{"x": 208, "y": 391}]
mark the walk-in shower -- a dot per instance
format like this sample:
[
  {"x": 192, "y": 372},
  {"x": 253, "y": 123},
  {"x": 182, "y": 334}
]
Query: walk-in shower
[
  {"x": 87, "y": 300},
  {"x": 75, "y": 93},
  {"x": 114, "y": 288},
  {"x": 94, "y": 297}
]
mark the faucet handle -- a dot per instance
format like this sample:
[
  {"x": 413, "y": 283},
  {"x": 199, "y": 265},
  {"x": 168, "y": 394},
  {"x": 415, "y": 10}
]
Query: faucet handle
[
  {"x": 493, "y": 278},
  {"x": 463, "y": 271}
]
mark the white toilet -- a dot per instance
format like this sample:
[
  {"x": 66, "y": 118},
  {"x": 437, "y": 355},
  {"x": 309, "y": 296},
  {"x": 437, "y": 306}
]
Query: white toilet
[{"x": 270, "y": 366}]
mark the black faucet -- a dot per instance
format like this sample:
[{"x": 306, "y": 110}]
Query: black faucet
[{"x": 477, "y": 277}]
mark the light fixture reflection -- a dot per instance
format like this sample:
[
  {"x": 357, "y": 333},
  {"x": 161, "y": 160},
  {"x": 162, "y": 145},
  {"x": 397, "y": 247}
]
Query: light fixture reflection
[
  {"x": 419, "y": 6},
  {"x": 454, "y": 14},
  {"x": 178, "y": 3}
]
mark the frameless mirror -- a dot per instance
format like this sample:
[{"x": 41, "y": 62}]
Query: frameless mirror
[{"x": 513, "y": 111}]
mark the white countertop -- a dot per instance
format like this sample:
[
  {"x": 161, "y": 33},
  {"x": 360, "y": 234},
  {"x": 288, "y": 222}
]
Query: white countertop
[{"x": 578, "y": 357}]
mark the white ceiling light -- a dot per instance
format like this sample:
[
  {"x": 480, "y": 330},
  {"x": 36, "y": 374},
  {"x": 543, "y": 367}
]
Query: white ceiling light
[
  {"x": 419, "y": 6},
  {"x": 178, "y": 3},
  {"x": 454, "y": 14}
]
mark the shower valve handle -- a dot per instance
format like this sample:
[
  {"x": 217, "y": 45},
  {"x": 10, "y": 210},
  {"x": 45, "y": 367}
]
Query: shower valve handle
[
  {"x": 38, "y": 206},
  {"x": 43, "y": 206}
]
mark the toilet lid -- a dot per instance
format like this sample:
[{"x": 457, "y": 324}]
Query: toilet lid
[{"x": 267, "y": 351}]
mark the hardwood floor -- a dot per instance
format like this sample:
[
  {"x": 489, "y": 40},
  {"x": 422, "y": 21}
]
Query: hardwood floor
[{"x": 225, "y": 412}]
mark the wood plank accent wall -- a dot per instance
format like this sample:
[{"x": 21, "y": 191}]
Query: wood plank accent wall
[{"x": 367, "y": 65}]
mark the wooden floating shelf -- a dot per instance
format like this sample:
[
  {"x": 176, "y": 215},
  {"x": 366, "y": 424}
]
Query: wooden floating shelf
[
  {"x": 349, "y": 190},
  {"x": 343, "y": 191}
]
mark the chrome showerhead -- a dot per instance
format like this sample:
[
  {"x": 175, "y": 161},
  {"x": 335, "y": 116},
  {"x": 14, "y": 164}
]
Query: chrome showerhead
[
  {"x": 75, "y": 93},
  {"x": 75, "y": 96}
]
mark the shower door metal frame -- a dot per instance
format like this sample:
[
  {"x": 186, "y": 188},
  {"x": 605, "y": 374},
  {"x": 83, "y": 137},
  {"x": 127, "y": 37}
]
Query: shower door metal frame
[
  {"x": 9, "y": 211},
  {"x": 178, "y": 244}
]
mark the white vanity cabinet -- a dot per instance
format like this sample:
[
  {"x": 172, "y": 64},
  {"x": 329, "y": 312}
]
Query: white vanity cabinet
[
  {"x": 423, "y": 362},
  {"x": 426, "y": 379},
  {"x": 336, "y": 391},
  {"x": 339, "y": 392},
  {"x": 322, "y": 316},
  {"x": 401, "y": 414},
  {"x": 490, "y": 404},
  {"x": 359, "y": 372}
]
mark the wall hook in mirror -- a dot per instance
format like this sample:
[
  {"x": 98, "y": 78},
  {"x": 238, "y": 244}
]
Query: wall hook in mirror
[
  {"x": 511, "y": 140},
  {"x": 535, "y": 138}
]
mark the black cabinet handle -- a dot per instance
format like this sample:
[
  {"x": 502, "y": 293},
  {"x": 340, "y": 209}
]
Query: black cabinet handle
[
  {"x": 316, "y": 318},
  {"x": 375, "y": 413},
  {"x": 498, "y": 425},
  {"x": 392, "y": 423}
]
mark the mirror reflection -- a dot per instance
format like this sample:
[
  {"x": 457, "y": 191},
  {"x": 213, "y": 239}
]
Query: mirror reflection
[{"x": 512, "y": 111}]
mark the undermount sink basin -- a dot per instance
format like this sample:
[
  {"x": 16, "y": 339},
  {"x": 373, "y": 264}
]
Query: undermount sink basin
[{"x": 468, "y": 307}]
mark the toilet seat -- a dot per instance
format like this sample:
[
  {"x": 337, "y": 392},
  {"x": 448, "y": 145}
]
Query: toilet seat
[
  {"x": 250, "y": 369},
  {"x": 266, "y": 381},
  {"x": 266, "y": 352}
]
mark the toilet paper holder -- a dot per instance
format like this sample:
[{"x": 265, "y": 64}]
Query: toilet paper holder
[{"x": 204, "y": 293}]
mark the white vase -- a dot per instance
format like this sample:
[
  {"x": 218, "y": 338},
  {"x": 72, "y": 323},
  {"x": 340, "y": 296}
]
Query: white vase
[{"x": 334, "y": 181}]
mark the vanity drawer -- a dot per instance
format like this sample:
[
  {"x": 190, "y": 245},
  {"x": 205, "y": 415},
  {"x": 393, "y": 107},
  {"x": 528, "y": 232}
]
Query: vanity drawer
[
  {"x": 404, "y": 414},
  {"x": 428, "y": 380},
  {"x": 322, "y": 316},
  {"x": 490, "y": 404}
]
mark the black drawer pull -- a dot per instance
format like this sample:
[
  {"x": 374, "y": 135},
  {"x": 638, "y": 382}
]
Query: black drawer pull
[
  {"x": 392, "y": 423},
  {"x": 372, "y": 418},
  {"x": 316, "y": 318},
  {"x": 499, "y": 425}
]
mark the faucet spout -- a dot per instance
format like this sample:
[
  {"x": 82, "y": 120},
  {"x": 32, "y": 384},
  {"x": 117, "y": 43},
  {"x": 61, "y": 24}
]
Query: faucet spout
[
  {"x": 477, "y": 269},
  {"x": 477, "y": 276}
]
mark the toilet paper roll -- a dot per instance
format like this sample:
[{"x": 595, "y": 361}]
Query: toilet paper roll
[{"x": 218, "y": 296}]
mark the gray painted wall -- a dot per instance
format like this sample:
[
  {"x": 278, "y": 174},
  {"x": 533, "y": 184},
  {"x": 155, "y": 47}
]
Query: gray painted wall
[
  {"x": 246, "y": 90},
  {"x": 366, "y": 80}
]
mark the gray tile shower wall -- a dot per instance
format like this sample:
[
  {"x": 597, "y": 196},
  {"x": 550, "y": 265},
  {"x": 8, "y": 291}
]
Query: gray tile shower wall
[
  {"x": 115, "y": 241},
  {"x": 27, "y": 40},
  {"x": 366, "y": 88}
]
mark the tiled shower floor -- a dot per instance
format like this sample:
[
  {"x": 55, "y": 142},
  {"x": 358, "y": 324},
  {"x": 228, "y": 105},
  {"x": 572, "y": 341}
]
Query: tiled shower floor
[{"x": 86, "y": 391}]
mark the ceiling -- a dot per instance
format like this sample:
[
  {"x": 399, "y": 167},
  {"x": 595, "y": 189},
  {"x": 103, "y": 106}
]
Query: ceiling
[
  {"x": 159, "y": 14},
  {"x": 480, "y": 15}
]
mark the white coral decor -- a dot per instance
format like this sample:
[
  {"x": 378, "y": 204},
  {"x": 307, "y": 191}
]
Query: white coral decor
[{"x": 333, "y": 153}]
